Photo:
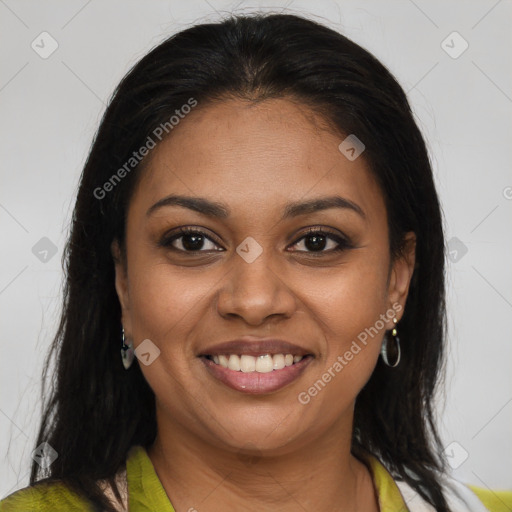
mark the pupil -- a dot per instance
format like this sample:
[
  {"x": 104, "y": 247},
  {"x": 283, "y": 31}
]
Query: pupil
[
  {"x": 193, "y": 242},
  {"x": 318, "y": 242}
]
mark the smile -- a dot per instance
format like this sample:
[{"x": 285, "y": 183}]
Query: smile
[
  {"x": 264, "y": 363},
  {"x": 261, "y": 374}
]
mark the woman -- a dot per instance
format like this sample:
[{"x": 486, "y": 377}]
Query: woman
[{"x": 257, "y": 223}]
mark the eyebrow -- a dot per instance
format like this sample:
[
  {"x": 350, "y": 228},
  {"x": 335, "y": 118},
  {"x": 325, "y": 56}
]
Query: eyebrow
[{"x": 219, "y": 210}]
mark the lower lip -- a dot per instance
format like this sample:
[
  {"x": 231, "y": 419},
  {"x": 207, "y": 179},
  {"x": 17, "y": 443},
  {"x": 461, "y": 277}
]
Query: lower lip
[{"x": 254, "y": 382}]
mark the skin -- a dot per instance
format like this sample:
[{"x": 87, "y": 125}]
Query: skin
[{"x": 218, "y": 449}]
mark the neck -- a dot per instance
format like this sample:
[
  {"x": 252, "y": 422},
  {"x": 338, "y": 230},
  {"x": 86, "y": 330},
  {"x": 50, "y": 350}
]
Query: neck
[{"x": 321, "y": 475}]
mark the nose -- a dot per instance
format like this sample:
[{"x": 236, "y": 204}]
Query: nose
[{"x": 255, "y": 291}]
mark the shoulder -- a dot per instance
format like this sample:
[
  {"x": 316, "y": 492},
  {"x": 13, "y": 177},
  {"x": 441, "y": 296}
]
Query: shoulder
[
  {"x": 44, "y": 497},
  {"x": 495, "y": 501},
  {"x": 460, "y": 496}
]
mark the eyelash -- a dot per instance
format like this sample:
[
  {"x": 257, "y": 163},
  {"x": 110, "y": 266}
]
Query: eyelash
[{"x": 343, "y": 243}]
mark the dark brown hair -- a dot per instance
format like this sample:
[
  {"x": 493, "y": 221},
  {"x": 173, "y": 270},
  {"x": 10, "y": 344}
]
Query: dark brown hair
[{"x": 95, "y": 410}]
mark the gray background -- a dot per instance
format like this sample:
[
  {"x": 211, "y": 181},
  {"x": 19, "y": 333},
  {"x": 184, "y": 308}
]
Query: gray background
[{"x": 51, "y": 108}]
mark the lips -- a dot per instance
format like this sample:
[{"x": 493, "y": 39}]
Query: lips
[
  {"x": 255, "y": 347},
  {"x": 262, "y": 379}
]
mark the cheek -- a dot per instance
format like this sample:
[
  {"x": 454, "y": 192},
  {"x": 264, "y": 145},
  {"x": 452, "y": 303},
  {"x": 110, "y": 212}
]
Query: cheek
[
  {"x": 349, "y": 316},
  {"x": 348, "y": 300},
  {"x": 347, "y": 305},
  {"x": 165, "y": 302},
  {"x": 165, "y": 307}
]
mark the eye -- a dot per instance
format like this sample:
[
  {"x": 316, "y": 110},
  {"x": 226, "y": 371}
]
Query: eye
[
  {"x": 318, "y": 240},
  {"x": 189, "y": 240}
]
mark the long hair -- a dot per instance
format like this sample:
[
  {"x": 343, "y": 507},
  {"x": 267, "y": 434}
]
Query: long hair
[{"x": 94, "y": 410}]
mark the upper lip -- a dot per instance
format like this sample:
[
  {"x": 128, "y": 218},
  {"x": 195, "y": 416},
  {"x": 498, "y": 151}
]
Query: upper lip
[{"x": 254, "y": 347}]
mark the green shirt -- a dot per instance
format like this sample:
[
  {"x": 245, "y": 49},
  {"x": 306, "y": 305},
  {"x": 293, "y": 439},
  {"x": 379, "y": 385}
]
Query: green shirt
[{"x": 146, "y": 493}]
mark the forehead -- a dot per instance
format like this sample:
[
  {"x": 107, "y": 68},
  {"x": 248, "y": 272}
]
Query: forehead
[{"x": 250, "y": 155}]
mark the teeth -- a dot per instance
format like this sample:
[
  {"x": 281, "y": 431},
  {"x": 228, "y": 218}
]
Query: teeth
[
  {"x": 279, "y": 363},
  {"x": 234, "y": 363},
  {"x": 264, "y": 363},
  {"x": 247, "y": 364}
]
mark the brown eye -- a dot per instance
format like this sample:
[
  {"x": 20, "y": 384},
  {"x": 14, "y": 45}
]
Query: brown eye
[
  {"x": 321, "y": 241},
  {"x": 189, "y": 240}
]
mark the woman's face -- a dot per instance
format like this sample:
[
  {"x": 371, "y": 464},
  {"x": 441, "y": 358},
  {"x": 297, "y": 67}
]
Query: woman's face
[{"x": 253, "y": 273}]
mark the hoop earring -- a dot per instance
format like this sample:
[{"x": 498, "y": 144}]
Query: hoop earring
[
  {"x": 384, "y": 348},
  {"x": 127, "y": 353}
]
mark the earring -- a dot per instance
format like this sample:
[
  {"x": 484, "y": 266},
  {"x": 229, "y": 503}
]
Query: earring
[
  {"x": 384, "y": 348},
  {"x": 127, "y": 353}
]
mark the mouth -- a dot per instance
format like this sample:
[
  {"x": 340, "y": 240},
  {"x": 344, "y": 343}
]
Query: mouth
[
  {"x": 264, "y": 363},
  {"x": 256, "y": 365},
  {"x": 260, "y": 374}
]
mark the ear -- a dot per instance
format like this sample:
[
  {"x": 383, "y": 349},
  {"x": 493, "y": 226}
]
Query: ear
[
  {"x": 401, "y": 273},
  {"x": 121, "y": 283}
]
